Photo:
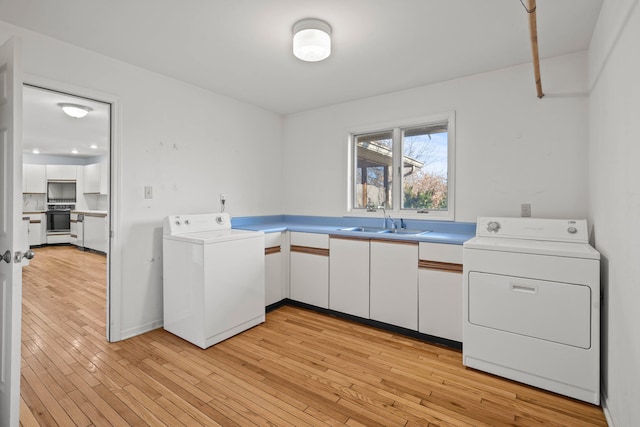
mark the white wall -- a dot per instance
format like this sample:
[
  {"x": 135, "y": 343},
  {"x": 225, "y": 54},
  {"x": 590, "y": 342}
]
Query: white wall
[
  {"x": 188, "y": 143},
  {"x": 614, "y": 205},
  {"x": 511, "y": 146}
]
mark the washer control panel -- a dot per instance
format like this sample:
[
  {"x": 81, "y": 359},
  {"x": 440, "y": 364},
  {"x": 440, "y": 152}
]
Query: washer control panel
[
  {"x": 560, "y": 230},
  {"x": 193, "y": 223},
  {"x": 493, "y": 226}
]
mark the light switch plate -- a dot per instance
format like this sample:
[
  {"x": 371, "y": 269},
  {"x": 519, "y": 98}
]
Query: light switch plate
[{"x": 148, "y": 192}]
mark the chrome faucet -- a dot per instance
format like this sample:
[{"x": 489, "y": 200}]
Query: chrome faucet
[
  {"x": 384, "y": 218},
  {"x": 393, "y": 223}
]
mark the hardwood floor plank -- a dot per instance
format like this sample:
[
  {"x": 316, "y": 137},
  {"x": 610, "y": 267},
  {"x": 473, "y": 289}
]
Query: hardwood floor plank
[
  {"x": 37, "y": 409},
  {"x": 299, "y": 368},
  {"x": 185, "y": 390},
  {"x": 57, "y": 413},
  {"x": 26, "y": 416},
  {"x": 114, "y": 413}
]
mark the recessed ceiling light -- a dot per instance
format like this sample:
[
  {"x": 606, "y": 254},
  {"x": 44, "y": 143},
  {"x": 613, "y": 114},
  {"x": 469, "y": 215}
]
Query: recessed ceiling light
[
  {"x": 94, "y": 146},
  {"x": 74, "y": 151},
  {"x": 76, "y": 111},
  {"x": 35, "y": 151}
]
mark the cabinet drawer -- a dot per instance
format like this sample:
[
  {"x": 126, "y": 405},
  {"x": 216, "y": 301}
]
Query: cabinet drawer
[
  {"x": 311, "y": 240},
  {"x": 441, "y": 252}
]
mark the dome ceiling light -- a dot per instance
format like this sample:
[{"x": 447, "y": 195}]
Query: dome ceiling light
[
  {"x": 76, "y": 111},
  {"x": 311, "y": 40}
]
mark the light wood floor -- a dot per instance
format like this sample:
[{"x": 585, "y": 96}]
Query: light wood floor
[{"x": 299, "y": 368}]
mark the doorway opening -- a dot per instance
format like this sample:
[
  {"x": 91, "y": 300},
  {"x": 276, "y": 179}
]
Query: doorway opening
[{"x": 66, "y": 178}]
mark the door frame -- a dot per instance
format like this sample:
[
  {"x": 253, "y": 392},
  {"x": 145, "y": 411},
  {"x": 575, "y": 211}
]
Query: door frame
[{"x": 114, "y": 259}]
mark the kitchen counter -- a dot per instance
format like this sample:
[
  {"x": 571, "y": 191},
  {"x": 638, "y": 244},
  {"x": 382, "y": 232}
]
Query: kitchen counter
[
  {"x": 88, "y": 212},
  {"x": 447, "y": 232}
]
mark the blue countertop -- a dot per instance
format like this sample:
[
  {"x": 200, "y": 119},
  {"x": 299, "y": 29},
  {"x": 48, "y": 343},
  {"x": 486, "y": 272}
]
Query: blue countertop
[{"x": 448, "y": 232}]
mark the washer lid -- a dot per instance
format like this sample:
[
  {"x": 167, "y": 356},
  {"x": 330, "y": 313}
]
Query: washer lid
[
  {"x": 213, "y": 236},
  {"x": 537, "y": 247}
]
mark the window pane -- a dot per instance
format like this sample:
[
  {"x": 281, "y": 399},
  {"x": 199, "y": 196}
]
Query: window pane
[
  {"x": 373, "y": 170},
  {"x": 424, "y": 167}
]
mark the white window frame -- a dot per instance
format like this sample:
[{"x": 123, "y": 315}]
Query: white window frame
[{"x": 396, "y": 198}]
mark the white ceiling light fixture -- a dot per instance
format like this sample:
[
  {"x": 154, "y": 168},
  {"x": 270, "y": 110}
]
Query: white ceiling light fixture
[
  {"x": 311, "y": 40},
  {"x": 74, "y": 151},
  {"x": 35, "y": 151},
  {"x": 94, "y": 146},
  {"x": 76, "y": 111}
]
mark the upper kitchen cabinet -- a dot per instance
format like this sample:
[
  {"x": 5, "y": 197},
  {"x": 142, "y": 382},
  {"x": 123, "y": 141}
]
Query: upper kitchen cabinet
[
  {"x": 62, "y": 172},
  {"x": 34, "y": 179},
  {"x": 96, "y": 178}
]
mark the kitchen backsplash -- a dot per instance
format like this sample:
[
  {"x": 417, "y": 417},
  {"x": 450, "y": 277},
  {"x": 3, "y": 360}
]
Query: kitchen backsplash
[
  {"x": 38, "y": 202},
  {"x": 33, "y": 202}
]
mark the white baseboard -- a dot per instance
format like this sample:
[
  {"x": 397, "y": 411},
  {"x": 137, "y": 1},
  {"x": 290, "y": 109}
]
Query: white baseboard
[
  {"x": 141, "y": 329},
  {"x": 605, "y": 408}
]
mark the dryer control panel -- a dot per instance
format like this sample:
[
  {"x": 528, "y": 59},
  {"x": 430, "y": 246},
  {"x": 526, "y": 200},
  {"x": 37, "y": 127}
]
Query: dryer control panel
[{"x": 555, "y": 230}]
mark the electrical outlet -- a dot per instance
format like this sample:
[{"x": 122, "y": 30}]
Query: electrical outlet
[
  {"x": 525, "y": 210},
  {"x": 148, "y": 192}
]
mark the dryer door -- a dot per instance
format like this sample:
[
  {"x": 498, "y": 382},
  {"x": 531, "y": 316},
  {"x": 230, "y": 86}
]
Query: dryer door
[{"x": 552, "y": 311}]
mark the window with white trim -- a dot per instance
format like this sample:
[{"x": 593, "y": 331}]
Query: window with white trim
[{"x": 407, "y": 169}]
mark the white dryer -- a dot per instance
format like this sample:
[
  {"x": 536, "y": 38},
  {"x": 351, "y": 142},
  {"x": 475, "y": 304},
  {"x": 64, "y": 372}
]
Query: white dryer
[
  {"x": 531, "y": 304},
  {"x": 213, "y": 284}
]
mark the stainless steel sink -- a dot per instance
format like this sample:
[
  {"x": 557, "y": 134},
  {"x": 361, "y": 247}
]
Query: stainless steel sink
[
  {"x": 367, "y": 229},
  {"x": 409, "y": 231},
  {"x": 380, "y": 230}
]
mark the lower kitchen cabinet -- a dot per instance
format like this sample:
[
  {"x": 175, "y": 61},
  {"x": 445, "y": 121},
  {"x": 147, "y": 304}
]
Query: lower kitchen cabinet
[
  {"x": 349, "y": 275},
  {"x": 95, "y": 232},
  {"x": 37, "y": 228},
  {"x": 309, "y": 268},
  {"x": 74, "y": 229},
  {"x": 274, "y": 269},
  {"x": 440, "y": 290},
  {"x": 394, "y": 283}
]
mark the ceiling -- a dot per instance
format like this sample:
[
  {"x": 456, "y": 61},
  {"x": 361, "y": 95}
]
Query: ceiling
[
  {"x": 242, "y": 48},
  {"x": 49, "y": 130}
]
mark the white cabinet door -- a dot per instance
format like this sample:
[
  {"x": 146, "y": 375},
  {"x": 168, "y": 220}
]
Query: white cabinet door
[
  {"x": 62, "y": 172},
  {"x": 35, "y": 229},
  {"x": 440, "y": 302},
  {"x": 96, "y": 178},
  {"x": 440, "y": 290},
  {"x": 310, "y": 279},
  {"x": 273, "y": 278},
  {"x": 274, "y": 268},
  {"x": 34, "y": 179},
  {"x": 349, "y": 276},
  {"x": 91, "y": 178},
  {"x": 104, "y": 178},
  {"x": 394, "y": 283},
  {"x": 95, "y": 233},
  {"x": 310, "y": 268},
  {"x": 74, "y": 229}
]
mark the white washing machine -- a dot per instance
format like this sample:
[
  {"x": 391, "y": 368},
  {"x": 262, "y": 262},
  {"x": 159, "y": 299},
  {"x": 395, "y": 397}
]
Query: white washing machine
[
  {"x": 213, "y": 284},
  {"x": 531, "y": 304}
]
